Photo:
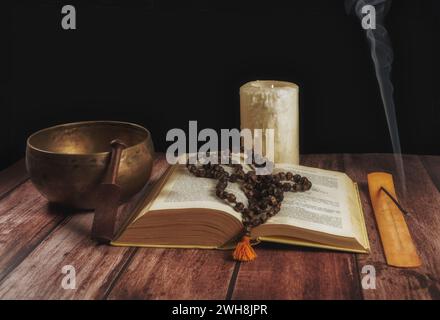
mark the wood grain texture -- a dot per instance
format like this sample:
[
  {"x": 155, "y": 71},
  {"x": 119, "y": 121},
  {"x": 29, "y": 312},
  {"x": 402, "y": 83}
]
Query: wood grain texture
[
  {"x": 175, "y": 274},
  {"x": 37, "y": 240},
  {"x": 432, "y": 165},
  {"x": 25, "y": 220},
  {"x": 12, "y": 177},
  {"x": 40, "y": 275},
  {"x": 423, "y": 201},
  {"x": 286, "y": 272}
]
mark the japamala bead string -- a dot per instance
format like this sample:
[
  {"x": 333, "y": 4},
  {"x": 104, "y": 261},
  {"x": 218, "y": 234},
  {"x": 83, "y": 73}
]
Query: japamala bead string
[{"x": 265, "y": 194}]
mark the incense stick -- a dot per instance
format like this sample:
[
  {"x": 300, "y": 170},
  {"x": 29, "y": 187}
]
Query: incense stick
[{"x": 395, "y": 201}]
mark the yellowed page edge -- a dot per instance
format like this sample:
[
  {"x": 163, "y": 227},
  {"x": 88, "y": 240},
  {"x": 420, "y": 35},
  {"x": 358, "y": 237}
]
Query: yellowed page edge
[
  {"x": 129, "y": 244},
  {"x": 364, "y": 227},
  {"x": 144, "y": 203},
  {"x": 308, "y": 244}
]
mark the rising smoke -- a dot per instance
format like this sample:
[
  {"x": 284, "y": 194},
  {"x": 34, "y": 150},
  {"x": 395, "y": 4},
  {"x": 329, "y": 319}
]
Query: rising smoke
[{"x": 382, "y": 55}]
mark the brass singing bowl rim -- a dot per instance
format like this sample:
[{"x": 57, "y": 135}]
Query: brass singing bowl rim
[{"x": 81, "y": 123}]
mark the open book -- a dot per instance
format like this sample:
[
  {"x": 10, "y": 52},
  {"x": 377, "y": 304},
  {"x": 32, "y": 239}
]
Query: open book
[{"x": 183, "y": 211}]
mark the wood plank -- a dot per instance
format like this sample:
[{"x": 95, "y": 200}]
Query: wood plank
[
  {"x": 39, "y": 276},
  {"x": 25, "y": 220},
  {"x": 423, "y": 201},
  {"x": 432, "y": 165},
  {"x": 12, "y": 177},
  {"x": 287, "y": 272},
  {"x": 175, "y": 274}
]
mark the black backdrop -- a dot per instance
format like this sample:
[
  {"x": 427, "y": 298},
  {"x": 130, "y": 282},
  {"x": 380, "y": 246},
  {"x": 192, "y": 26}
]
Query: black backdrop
[{"x": 163, "y": 63}]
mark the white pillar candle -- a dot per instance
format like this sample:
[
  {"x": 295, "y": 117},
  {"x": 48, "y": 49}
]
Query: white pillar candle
[{"x": 273, "y": 105}]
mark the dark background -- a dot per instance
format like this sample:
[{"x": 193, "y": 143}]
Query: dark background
[{"x": 163, "y": 63}]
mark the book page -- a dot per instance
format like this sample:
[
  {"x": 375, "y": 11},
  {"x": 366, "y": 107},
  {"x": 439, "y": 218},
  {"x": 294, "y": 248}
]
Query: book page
[
  {"x": 325, "y": 208},
  {"x": 183, "y": 190}
]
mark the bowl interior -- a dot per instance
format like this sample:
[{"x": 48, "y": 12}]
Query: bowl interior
[{"x": 86, "y": 137}]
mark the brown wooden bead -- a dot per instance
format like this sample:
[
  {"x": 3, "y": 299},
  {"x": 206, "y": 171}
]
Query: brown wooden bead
[
  {"x": 252, "y": 176},
  {"x": 263, "y": 218},
  {"x": 231, "y": 197},
  {"x": 265, "y": 193},
  {"x": 263, "y": 206},
  {"x": 220, "y": 194},
  {"x": 249, "y": 194},
  {"x": 239, "y": 206},
  {"x": 222, "y": 185},
  {"x": 272, "y": 200}
]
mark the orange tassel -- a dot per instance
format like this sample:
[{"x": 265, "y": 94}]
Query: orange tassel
[{"x": 244, "y": 251}]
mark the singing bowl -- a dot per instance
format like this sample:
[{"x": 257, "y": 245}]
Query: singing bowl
[{"x": 67, "y": 162}]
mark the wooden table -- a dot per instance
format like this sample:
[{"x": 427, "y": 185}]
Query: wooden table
[{"x": 37, "y": 240}]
